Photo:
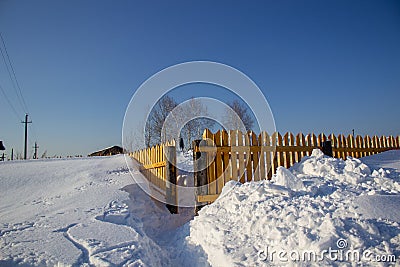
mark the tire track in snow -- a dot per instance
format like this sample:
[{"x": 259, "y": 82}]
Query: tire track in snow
[{"x": 84, "y": 258}]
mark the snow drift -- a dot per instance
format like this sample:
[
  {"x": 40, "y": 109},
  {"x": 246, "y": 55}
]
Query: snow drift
[{"x": 319, "y": 204}]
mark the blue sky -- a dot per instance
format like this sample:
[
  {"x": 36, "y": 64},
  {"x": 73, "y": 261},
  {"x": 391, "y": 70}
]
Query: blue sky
[{"x": 324, "y": 66}]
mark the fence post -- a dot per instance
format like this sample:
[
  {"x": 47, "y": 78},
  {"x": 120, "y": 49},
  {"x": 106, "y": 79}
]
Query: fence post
[
  {"x": 200, "y": 174},
  {"x": 327, "y": 148},
  {"x": 171, "y": 192}
]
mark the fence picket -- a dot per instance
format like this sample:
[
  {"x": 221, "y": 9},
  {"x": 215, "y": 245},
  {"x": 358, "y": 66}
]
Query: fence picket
[
  {"x": 350, "y": 144},
  {"x": 292, "y": 153},
  {"x": 268, "y": 157},
  {"x": 234, "y": 161},
  {"x": 241, "y": 157},
  {"x": 375, "y": 143},
  {"x": 383, "y": 141},
  {"x": 298, "y": 143},
  {"x": 225, "y": 157},
  {"x": 219, "y": 163},
  {"x": 319, "y": 141},
  {"x": 255, "y": 158},
  {"x": 334, "y": 142},
  {"x": 303, "y": 143},
  {"x": 212, "y": 185},
  {"x": 249, "y": 169},
  {"x": 279, "y": 154},
  {"x": 261, "y": 166},
  {"x": 314, "y": 141},
  {"x": 286, "y": 154},
  {"x": 274, "y": 154}
]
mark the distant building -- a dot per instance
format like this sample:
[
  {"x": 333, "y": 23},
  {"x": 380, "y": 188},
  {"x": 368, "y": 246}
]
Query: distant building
[{"x": 114, "y": 150}]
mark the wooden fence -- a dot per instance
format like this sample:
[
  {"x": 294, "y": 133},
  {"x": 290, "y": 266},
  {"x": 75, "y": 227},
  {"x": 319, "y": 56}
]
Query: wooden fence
[
  {"x": 158, "y": 165},
  {"x": 247, "y": 157},
  {"x": 224, "y": 156}
]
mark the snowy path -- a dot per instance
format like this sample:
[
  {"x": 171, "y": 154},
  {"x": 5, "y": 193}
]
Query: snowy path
[{"x": 78, "y": 211}]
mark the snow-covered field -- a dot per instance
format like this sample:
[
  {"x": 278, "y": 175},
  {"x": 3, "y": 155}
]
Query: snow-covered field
[{"x": 90, "y": 212}]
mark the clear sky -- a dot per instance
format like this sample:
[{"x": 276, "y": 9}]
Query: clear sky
[{"x": 324, "y": 66}]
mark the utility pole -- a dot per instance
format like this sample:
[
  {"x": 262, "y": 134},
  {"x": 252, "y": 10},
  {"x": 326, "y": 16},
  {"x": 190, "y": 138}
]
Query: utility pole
[
  {"x": 36, "y": 148},
  {"x": 12, "y": 153},
  {"x": 26, "y": 134}
]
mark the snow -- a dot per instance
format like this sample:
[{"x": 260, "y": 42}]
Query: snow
[
  {"x": 310, "y": 207},
  {"x": 72, "y": 212},
  {"x": 91, "y": 212}
]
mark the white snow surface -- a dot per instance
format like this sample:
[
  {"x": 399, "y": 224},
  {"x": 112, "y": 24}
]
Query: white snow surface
[
  {"x": 305, "y": 209},
  {"x": 83, "y": 212},
  {"x": 90, "y": 212}
]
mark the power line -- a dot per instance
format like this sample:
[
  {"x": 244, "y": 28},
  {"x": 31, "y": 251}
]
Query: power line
[
  {"x": 20, "y": 96},
  {"x": 9, "y": 103}
]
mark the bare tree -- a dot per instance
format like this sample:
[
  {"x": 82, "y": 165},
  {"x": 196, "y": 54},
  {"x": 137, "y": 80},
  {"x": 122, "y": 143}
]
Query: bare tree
[
  {"x": 239, "y": 118},
  {"x": 156, "y": 119},
  {"x": 195, "y": 124}
]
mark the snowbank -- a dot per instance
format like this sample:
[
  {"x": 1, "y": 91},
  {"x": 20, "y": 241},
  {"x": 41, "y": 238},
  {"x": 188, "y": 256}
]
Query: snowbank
[{"x": 320, "y": 204}]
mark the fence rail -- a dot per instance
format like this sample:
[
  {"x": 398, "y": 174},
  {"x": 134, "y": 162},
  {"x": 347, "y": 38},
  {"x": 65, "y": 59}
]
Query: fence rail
[
  {"x": 248, "y": 157},
  {"x": 154, "y": 164}
]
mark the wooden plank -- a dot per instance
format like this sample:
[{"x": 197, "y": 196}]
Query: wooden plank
[
  {"x": 269, "y": 156},
  {"x": 382, "y": 141},
  {"x": 233, "y": 159},
  {"x": 225, "y": 158},
  {"x": 303, "y": 143},
  {"x": 391, "y": 141},
  {"x": 257, "y": 149},
  {"x": 207, "y": 198},
  {"x": 355, "y": 145},
  {"x": 219, "y": 163},
  {"x": 157, "y": 170},
  {"x": 249, "y": 169},
  {"x": 255, "y": 158},
  {"x": 354, "y": 150},
  {"x": 154, "y": 165},
  {"x": 360, "y": 144},
  {"x": 261, "y": 166},
  {"x": 374, "y": 143},
  {"x": 319, "y": 141},
  {"x": 314, "y": 141},
  {"x": 211, "y": 175},
  {"x": 241, "y": 158},
  {"x": 163, "y": 172},
  {"x": 350, "y": 144},
  {"x": 334, "y": 144},
  {"x": 274, "y": 154},
  {"x": 367, "y": 142},
  {"x": 298, "y": 157},
  {"x": 340, "y": 145},
  {"x": 228, "y": 149},
  {"x": 280, "y": 159},
  {"x": 286, "y": 154},
  {"x": 292, "y": 153}
]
